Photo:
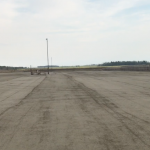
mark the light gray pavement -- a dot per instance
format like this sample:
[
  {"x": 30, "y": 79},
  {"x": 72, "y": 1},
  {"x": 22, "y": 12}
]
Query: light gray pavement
[{"x": 76, "y": 111}]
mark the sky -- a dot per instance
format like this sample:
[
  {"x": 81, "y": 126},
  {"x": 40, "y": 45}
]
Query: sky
[{"x": 79, "y": 32}]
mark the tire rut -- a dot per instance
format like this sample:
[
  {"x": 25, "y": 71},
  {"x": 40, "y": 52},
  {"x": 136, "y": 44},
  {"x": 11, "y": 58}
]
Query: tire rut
[{"x": 130, "y": 124}]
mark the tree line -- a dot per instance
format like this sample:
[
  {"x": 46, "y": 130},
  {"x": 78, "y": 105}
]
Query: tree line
[
  {"x": 11, "y": 68},
  {"x": 121, "y": 63}
]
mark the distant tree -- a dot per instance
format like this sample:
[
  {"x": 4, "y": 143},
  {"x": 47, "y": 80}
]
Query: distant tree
[
  {"x": 121, "y": 63},
  {"x": 10, "y": 68}
]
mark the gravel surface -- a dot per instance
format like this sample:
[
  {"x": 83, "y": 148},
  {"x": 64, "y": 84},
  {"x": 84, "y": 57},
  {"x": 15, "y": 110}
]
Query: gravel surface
[{"x": 85, "y": 110}]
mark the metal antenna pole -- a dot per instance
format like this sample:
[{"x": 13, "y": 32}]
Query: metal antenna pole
[{"x": 47, "y": 56}]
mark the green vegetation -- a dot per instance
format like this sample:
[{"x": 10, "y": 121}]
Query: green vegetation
[
  {"x": 11, "y": 68},
  {"x": 121, "y": 63}
]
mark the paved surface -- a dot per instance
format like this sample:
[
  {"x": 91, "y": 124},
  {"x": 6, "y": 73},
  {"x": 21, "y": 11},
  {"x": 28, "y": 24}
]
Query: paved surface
[{"x": 75, "y": 111}]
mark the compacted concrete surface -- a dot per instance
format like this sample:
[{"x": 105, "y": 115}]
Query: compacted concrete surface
[{"x": 85, "y": 110}]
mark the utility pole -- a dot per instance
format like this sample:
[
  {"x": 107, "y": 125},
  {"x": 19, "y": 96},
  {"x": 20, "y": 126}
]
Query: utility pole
[
  {"x": 47, "y": 55},
  {"x": 51, "y": 63}
]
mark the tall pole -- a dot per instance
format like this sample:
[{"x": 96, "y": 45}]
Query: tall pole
[
  {"x": 51, "y": 63},
  {"x": 47, "y": 56}
]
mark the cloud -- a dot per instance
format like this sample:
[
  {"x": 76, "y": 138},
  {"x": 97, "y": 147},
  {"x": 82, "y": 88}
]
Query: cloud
[
  {"x": 75, "y": 28},
  {"x": 7, "y": 13}
]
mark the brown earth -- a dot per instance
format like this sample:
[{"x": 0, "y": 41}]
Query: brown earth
[{"x": 86, "y": 110}]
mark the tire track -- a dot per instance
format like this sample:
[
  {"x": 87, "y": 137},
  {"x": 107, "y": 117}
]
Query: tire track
[
  {"x": 130, "y": 124},
  {"x": 110, "y": 139},
  {"x": 18, "y": 104}
]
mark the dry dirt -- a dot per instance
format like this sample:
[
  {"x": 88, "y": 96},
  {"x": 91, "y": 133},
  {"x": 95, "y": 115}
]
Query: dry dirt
[{"x": 93, "y": 110}]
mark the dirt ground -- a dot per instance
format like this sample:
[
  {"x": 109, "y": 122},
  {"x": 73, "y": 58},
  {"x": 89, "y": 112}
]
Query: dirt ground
[{"x": 86, "y": 110}]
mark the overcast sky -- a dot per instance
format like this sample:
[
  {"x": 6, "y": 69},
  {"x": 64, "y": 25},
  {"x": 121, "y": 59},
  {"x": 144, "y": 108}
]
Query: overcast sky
[{"x": 79, "y": 32}]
